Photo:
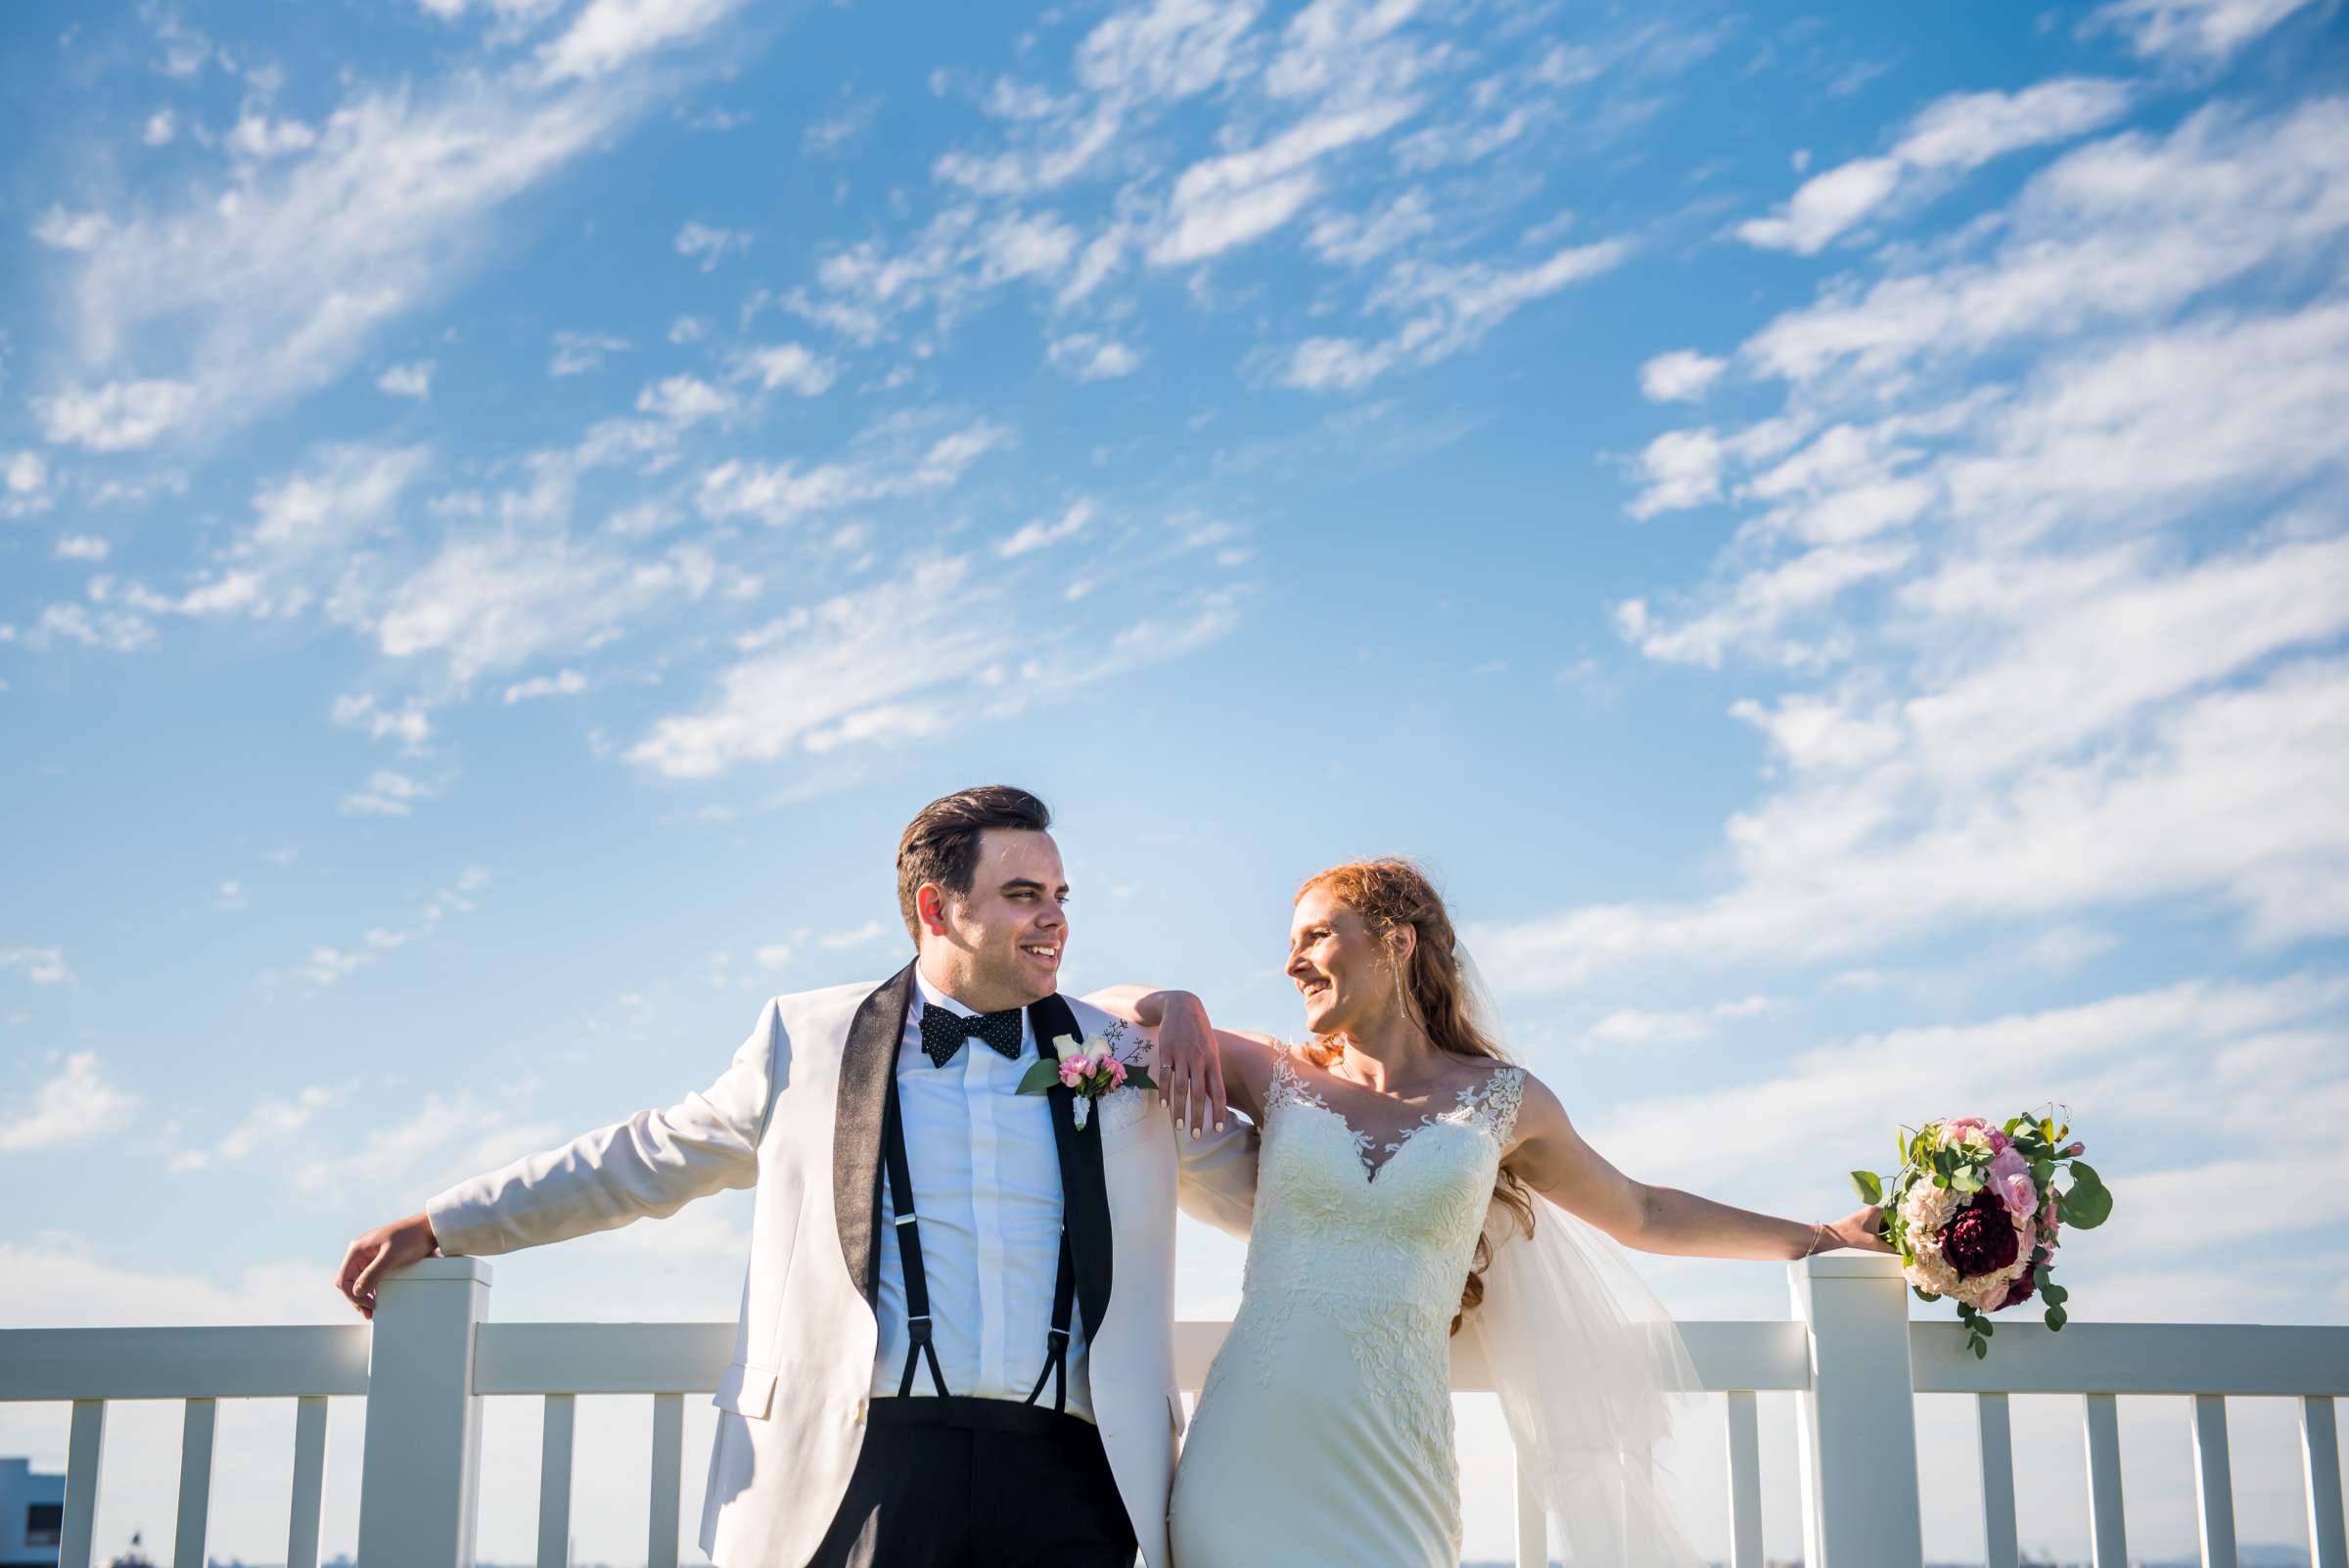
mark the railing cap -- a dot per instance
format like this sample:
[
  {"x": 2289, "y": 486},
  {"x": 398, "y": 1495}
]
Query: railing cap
[
  {"x": 1851, "y": 1265},
  {"x": 463, "y": 1271}
]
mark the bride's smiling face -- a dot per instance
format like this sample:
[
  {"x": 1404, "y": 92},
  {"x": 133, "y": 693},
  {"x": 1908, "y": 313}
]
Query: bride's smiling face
[{"x": 1337, "y": 965}]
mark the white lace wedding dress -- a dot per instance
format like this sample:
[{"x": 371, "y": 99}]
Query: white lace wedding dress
[{"x": 1324, "y": 1431}]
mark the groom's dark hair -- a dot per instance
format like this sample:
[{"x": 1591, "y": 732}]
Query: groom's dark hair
[{"x": 941, "y": 844}]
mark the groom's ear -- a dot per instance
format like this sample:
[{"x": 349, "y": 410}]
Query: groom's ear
[{"x": 930, "y": 908}]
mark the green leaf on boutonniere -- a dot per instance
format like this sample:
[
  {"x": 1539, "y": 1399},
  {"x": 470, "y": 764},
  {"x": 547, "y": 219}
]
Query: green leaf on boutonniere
[
  {"x": 1040, "y": 1077},
  {"x": 1139, "y": 1077}
]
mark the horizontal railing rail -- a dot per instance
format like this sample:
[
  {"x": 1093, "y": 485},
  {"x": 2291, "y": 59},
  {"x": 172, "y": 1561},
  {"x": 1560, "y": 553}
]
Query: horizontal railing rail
[{"x": 1849, "y": 1355}]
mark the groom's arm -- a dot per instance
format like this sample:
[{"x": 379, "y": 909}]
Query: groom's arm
[
  {"x": 652, "y": 1164},
  {"x": 1216, "y": 1181}
]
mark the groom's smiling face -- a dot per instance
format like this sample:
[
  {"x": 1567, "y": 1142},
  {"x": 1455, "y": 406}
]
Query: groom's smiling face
[{"x": 1000, "y": 944}]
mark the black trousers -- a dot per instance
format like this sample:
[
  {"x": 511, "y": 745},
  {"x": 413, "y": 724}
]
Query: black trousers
[{"x": 970, "y": 1482}]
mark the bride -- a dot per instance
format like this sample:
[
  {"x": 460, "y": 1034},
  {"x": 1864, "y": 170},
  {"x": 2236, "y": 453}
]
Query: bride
[{"x": 1414, "y": 1185}]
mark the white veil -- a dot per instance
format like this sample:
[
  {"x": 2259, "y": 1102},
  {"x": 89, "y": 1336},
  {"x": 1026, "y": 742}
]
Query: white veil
[{"x": 1591, "y": 1370}]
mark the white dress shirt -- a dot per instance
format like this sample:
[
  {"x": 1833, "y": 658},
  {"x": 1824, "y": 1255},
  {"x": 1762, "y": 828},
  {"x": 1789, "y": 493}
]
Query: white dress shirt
[{"x": 987, "y": 1190}]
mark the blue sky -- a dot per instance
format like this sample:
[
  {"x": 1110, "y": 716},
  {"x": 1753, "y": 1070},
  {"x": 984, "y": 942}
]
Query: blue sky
[{"x": 1825, "y": 532}]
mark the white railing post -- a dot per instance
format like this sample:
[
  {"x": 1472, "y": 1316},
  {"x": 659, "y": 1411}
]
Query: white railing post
[
  {"x": 1857, "y": 1425},
  {"x": 421, "y": 1468}
]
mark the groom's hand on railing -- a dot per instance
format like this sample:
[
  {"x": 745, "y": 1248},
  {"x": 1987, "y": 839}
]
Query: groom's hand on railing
[{"x": 392, "y": 1246}]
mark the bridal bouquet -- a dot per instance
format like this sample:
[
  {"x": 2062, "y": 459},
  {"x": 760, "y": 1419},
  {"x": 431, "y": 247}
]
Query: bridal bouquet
[{"x": 1975, "y": 1213}]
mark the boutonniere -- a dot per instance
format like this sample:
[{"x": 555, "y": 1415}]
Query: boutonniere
[{"x": 1089, "y": 1074}]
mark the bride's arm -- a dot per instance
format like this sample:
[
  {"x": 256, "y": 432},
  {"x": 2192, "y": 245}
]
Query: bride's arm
[
  {"x": 1552, "y": 1158},
  {"x": 1241, "y": 1063}
]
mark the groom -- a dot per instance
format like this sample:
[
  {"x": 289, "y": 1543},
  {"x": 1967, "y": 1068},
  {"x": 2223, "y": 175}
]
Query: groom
[{"x": 956, "y": 1342}]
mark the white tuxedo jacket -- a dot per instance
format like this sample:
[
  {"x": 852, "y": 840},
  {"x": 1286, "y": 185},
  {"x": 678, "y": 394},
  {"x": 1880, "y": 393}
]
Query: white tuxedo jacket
[{"x": 798, "y": 1116}]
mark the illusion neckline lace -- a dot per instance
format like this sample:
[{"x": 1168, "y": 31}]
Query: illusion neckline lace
[{"x": 1492, "y": 1099}]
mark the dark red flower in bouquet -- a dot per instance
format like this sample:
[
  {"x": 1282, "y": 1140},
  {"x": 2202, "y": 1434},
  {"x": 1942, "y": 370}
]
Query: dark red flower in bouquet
[
  {"x": 1981, "y": 1239},
  {"x": 2023, "y": 1289}
]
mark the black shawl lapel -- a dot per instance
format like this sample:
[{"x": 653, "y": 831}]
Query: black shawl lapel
[
  {"x": 866, "y": 1061},
  {"x": 1083, "y": 1191}
]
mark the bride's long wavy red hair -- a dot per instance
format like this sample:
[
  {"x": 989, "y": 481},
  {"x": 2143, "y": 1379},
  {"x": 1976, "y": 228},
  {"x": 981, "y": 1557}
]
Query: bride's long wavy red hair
[{"x": 1389, "y": 893}]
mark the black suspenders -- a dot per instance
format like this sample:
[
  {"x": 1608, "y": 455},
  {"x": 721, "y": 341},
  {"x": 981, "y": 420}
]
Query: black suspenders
[{"x": 919, "y": 1345}]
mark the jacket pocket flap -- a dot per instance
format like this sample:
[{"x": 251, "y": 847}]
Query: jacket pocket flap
[{"x": 745, "y": 1390}]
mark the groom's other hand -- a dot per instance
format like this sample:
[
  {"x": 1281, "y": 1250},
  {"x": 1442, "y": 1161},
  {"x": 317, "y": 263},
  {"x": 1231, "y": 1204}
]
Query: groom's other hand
[
  {"x": 1191, "y": 1067},
  {"x": 392, "y": 1246}
]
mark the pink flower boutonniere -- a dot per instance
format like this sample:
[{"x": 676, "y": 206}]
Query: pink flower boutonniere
[{"x": 1089, "y": 1074}]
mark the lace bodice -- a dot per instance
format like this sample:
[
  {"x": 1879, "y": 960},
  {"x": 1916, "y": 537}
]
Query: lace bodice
[{"x": 1394, "y": 1220}]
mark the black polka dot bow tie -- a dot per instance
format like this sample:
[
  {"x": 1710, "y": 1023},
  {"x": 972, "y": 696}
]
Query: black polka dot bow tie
[{"x": 943, "y": 1032}]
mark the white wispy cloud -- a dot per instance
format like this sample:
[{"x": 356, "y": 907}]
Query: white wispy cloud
[
  {"x": 2199, "y": 33},
  {"x": 26, "y": 473},
  {"x": 1445, "y": 307},
  {"x": 1040, "y": 533},
  {"x": 411, "y": 380},
  {"x": 1633, "y": 1025},
  {"x": 116, "y": 417},
  {"x": 264, "y": 1126},
  {"x": 1950, "y": 136},
  {"x": 892, "y": 459},
  {"x": 78, "y": 1101},
  {"x": 789, "y": 366},
  {"x": 854, "y": 937},
  {"x": 562, "y": 683},
  {"x": 388, "y": 793},
  {"x": 684, "y": 400},
  {"x": 608, "y": 36},
  {"x": 1091, "y": 356},
  {"x": 576, "y": 353},
  {"x": 43, "y": 966},
  {"x": 709, "y": 245},
  {"x": 1681, "y": 376},
  {"x": 410, "y": 724}
]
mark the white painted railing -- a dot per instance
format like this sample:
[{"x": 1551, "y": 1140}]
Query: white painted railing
[{"x": 1849, "y": 1353}]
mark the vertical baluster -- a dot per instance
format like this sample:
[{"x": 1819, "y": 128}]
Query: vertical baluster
[
  {"x": 2321, "y": 1472},
  {"x": 554, "y": 1483},
  {"x": 81, "y": 1483},
  {"x": 2214, "y": 1486},
  {"x": 1745, "y": 1481},
  {"x": 1998, "y": 1479},
  {"x": 195, "y": 1483},
  {"x": 310, "y": 1481},
  {"x": 669, "y": 1459},
  {"x": 1533, "y": 1521},
  {"x": 2109, "y": 1536}
]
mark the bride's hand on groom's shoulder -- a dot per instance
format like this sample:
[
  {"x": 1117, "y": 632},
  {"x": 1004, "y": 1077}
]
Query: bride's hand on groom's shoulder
[{"x": 1189, "y": 1067}]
